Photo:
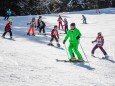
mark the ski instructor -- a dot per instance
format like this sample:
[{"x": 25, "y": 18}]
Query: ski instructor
[{"x": 74, "y": 35}]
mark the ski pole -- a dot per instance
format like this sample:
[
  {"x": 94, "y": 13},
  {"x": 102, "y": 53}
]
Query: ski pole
[
  {"x": 45, "y": 36},
  {"x": 84, "y": 54},
  {"x": 66, "y": 50}
]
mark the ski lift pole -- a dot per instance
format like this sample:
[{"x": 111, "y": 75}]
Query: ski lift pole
[{"x": 45, "y": 35}]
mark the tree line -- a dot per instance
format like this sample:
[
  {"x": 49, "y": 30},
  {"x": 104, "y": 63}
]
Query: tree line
[{"x": 35, "y": 7}]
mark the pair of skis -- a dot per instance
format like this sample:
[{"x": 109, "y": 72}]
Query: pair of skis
[
  {"x": 58, "y": 46},
  {"x": 100, "y": 58},
  {"x": 71, "y": 61},
  {"x": 9, "y": 38}
]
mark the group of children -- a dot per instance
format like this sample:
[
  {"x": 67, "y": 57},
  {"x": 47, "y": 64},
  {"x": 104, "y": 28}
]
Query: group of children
[
  {"x": 60, "y": 23},
  {"x": 40, "y": 25},
  {"x": 54, "y": 32},
  {"x": 74, "y": 34}
]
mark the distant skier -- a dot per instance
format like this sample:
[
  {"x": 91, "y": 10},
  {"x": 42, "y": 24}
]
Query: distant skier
[
  {"x": 60, "y": 22},
  {"x": 54, "y": 35},
  {"x": 32, "y": 27},
  {"x": 84, "y": 19},
  {"x": 74, "y": 35},
  {"x": 8, "y": 14},
  {"x": 99, "y": 44},
  {"x": 97, "y": 9},
  {"x": 8, "y": 29},
  {"x": 66, "y": 25},
  {"x": 41, "y": 26}
]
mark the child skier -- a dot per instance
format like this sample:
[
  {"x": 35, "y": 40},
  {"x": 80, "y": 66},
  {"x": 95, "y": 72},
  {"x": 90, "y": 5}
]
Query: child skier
[
  {"x": 41, "y": 25},
  {"x": 84, "y": 19},
  {"x": 8, "y": 29},
  {"x": 66, "y": 25},
  {"x": 54, "y": 35},
  {"x": 60, "y": 22},
  {"x": 40, "y": 17},
  {"x": 32, "y": 26},
  {"x": 74, "y": 35},
  {"x": 99, "y": 44}
]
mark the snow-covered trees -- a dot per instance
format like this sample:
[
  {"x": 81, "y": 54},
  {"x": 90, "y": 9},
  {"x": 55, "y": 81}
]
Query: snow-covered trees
[{"x": 34, "y": 7}]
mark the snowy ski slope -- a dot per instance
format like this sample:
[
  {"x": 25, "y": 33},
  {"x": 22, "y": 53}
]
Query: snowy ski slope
[{"x": 28, "y": 61}]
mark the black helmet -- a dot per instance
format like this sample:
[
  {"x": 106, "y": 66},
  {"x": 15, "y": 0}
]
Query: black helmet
[
  {"x": 99, "y": 33},
  {"x": 55, "y": 26},
  {"x": 72, "y": 24},
  {"x": 40, "y": 17}
]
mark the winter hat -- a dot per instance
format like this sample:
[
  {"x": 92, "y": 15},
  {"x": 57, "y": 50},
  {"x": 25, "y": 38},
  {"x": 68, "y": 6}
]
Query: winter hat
[
  {"x": 40, "y": 17},
  {"x": 100, "y": 33},
  {"x": 11, "y": 20},
  {"x": 55, "y": 26},
  {"x": 72, "y": 24}
]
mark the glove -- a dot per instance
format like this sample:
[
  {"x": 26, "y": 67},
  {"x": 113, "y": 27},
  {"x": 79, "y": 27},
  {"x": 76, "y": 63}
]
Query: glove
[
  {"x": 102, "y": 44},
  {"x": 78, "y": 37},
  {"x": 28, "y": 23},
  {"x": 92, "y": 42},
  {"x": 64, "y": 41}
]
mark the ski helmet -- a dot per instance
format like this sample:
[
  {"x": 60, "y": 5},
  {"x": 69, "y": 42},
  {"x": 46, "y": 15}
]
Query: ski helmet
[
  {"x": 73, "y": 24},
  {"x": 100, "y": 33},
  {"x": 55, "y": 26},
  {"x": 11, "y": 20},
  {"x": 33, "y": 18},
  {"x": 40, "y": 17}
]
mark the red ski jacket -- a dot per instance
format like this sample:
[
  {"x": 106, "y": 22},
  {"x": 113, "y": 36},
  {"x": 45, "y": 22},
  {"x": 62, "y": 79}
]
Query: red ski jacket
[
  {"x": 60, "y": 19},
  {"x": 8, "y": 26},
  {"x": 54, "y": 33}
]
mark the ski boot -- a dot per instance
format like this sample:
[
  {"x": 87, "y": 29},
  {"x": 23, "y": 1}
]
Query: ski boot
[
  {"x": 44, "y": 34},
  {"x": 58, "y": 45},
  {"x": 73, "y": 60},
  {"x": 106, "y": 57},
  {"x": 39, "y": 33},
  {"x": 50, "y": 44},
  {"x": 80, "y": 60},
  {"x": 28, "y": 34},
  {"x": 11, "y": 38},
  {"x": 33, "y": 34},
  {"x": 93, "y": 55},
  {"x": 3, "y": 36}
]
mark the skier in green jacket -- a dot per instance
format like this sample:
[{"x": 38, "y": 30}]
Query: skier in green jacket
[{"x": 74, "y": 35}]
